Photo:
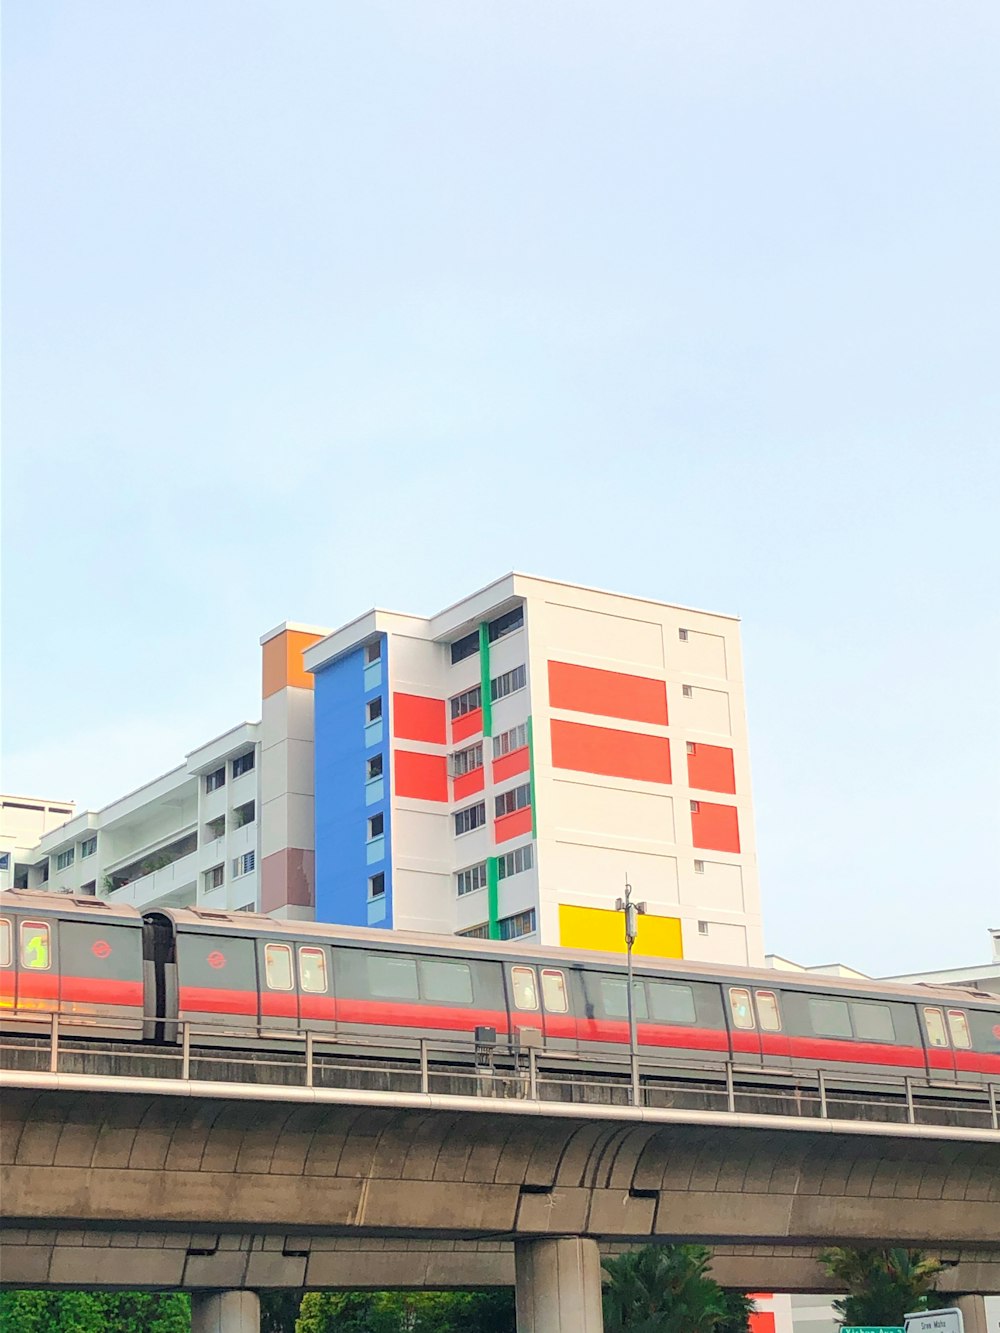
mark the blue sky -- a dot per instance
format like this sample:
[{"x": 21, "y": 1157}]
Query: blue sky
[{"x": 315, "y": 306}]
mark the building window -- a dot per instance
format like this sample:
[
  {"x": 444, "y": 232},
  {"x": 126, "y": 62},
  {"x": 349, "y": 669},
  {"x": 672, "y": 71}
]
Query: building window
[
  {"x": 467, "y": 761},
  {"x": 509, "y": 683},
  {"x": 373, "y": 709},
  {"x": 471, "y": 879},
  {"x": 373, "y": 652},
  {"x": 215, "y": 779},
  {"x": 505, "y": 624},
  {"x": 215, "y": 878},
  {"x": 682, "y": 634},
  {"x": 512, "y": 863},
  {"x": 90, "y": 889},
  {"x": 472, "y": 817},
  {"x": 515, "y": 799},
  {"x": 508, "y": 741},
  {"x": 65, "y": 859},
  {"x": 244, "y": 864},
  {"x": 88, "y": 847},
  {"x": 244, "y": 814},
  {"x": 243, "y": 763},
  {"x": 467, "y": 702},
  {"x": 376, "y": 826},
  {"x": 699, "y": 867},
  {"x": 376, "y": 885},
  {"x": 374, "y": 767},
  {"x": 687, "y": 691},
  {"x": 514, "y": 927},
  {"x": 702, "y": 927},
  {"x": 465, "y": 647},
  {"x": 481, "y": 932},
  {"x": 690, "y": 747},
  {"x": 215, "y": 828},
  {"x": 695, "y": 807}
]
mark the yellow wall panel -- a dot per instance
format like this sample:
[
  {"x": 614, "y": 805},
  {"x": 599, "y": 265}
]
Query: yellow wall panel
[{"x": 599, "y": 928}]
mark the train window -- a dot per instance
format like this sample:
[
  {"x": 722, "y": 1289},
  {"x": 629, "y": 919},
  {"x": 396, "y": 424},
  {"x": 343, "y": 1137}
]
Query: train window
[
  {"x": 958, "y": 1025},
  {"x": 312, "y": 970},
  {"x": 873, "y": 1022},
  {"x": 741, "y": 1008},
  {"x": 5, "y": 951},
  {"x": 767, "y": 1011},
  {"x": 523, "y": 985},
  {"x": 392, "y": 977},
  {"x": 614, "y": 991},
  {"x": 278, "y": 966},
  {"x": 444, "y": 980},
  {"x": 554, "y": 990},
  {"x": 35, "y": 951},
  {"x": 669, "y": 1003},
  {"x": 936, "y": 1034},
  {"x": 830, "y": 1018}
]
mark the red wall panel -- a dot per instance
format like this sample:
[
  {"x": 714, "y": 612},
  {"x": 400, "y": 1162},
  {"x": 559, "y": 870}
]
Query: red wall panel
[
  {"x": 416, "y": 718},
  {"x": 710, "y": 768},
  {"x": 421, "y": 776},
  {"x": 762, "y": 1321},
  {"x": 607, "y": 693},
  {"x": 467, "y": 784},
  {"x": 716, "y": 828},
  {"x": 508, "y": 765},
  {"x": 470, "y": 724},
  {"x": 512, "y": 826},
  {"x": 616, "y": 754}
]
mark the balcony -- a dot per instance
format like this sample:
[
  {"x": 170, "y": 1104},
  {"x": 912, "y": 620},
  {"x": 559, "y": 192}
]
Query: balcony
[
  {"x": 160, "y": 858},
  {"x": 167, "y": 881}
]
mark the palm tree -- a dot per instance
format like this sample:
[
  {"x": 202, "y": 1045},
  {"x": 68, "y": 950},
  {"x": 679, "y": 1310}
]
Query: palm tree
[
  {"x": 667, "y": 1289},
  {"x": 882, "y": 1285}
]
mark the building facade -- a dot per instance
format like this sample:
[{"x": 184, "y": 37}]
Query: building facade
[
  {"x": 502, "y": 768},
  {"x": 23, "y": 821}
]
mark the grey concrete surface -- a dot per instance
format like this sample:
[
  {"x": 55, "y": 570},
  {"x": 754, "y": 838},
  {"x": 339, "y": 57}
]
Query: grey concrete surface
[
  {"x": 225, "y": 1312},
  {"x": 558, "y": 1286}
]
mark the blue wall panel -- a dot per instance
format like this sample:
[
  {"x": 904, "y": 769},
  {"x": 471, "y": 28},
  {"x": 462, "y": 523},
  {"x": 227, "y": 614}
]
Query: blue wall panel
[{"x": 342, "y": 814}]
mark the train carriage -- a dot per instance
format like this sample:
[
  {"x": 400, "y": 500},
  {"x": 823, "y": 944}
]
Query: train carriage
[{"x": 246, "y": 980}]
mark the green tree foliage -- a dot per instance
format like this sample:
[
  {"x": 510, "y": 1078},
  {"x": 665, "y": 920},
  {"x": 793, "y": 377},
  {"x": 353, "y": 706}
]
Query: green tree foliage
[
  {"x": 279, "y": 1311},
  {"x": 667, "y": 1289},
  {"x": 407, "y": 1312},
  {"x": 882, "y": 1285},
  {"x": 94, "y": 1312}
]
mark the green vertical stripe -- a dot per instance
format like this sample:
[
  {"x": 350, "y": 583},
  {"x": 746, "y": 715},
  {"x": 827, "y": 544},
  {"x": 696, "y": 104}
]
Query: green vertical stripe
[
  {"x": 484, "y": 678},
  {"x": 493, "y": 896},
  {"x": 531, "y": 776}
]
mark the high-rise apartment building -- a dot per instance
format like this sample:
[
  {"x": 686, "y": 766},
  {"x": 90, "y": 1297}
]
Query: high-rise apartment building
[{"x": 500, "y": 769}]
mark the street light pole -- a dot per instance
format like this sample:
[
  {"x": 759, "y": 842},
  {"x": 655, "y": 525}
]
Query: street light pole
[{"x": 632, "y": 913}]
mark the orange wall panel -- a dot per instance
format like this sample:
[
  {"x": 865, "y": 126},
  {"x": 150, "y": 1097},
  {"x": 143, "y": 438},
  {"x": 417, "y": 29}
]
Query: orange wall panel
[
  {"x": 710, "y": 768},
  {"x": 607, "y": 693},
  {"x": 508, "y": 765},
  {"x": 470, "y": 724},
  {"x": 614, "y": 754},
  {"x": 716, "y": 828},
  {"x": 417, "y": 718},
  {"x": 281, "y": 662},
  {"x": 467, "y": 784},
  {"x": 762, "y": 1321},
  {"x": 512, "y": 826},
  {"x": 423, "y": 777}
]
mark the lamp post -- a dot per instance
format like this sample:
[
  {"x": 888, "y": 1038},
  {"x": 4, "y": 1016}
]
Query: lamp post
[{"x": 632, "y": 913}]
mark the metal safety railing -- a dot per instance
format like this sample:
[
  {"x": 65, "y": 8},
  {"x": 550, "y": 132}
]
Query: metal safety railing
[{"x": 505, "y": 1068}]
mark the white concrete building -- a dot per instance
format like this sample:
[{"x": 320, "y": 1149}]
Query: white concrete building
[{"x": 23, "y": 820}]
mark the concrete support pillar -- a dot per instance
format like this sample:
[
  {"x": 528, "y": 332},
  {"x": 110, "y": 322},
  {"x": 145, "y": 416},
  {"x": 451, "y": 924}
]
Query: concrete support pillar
[
  {"x": 225, "y": 1312},
  {"x": 973, "y": 1313},
  {"x": 558, "y": 1286}
]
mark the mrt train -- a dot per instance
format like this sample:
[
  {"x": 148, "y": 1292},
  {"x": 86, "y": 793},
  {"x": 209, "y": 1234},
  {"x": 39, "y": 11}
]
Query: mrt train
[{"x": 242, "y": 979}]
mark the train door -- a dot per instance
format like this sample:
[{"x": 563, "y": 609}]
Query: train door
[
  {"x": 8, "y": 974},
  {"x": 940, "y": 1056},
  {"x": 560, "y": 1025},
  {"x": 776, "y": 1049},
  {"x": 744, "y": 1036},
  {"x": 317, "y": 1009},
  {"x": 279, "y": 994},
  {"x": 36, "y": 956}
]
